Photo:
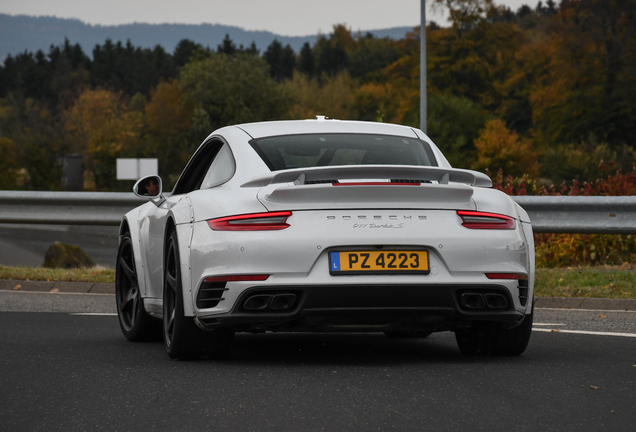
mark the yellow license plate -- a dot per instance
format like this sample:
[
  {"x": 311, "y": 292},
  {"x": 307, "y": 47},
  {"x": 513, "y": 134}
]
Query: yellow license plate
[{"x": 381, "y": 261}]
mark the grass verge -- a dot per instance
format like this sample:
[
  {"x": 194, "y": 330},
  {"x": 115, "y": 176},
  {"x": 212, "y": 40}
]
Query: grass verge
[
  {"x": 599, "y": 282},
  {"x": 94, "y": 274}
]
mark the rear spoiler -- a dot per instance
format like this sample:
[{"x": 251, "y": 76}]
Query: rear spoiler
[{"x": 301, "y": 176}]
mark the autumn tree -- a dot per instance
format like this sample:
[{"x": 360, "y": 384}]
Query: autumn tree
[
  {"x": 9, "y": 164},
  {"x": 332, "y": 97},
  {"x": 498, "y": 147},
  {"x": 169, "y": 121},
  {"x": 465, "y": 15},
  {"x": 102, "y": 128},
  {"x": 590, "y": 84},
  {"x": 37, "y": 139}
]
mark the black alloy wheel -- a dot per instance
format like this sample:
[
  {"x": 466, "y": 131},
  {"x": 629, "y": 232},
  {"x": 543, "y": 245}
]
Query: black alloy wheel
[
  {"x": 183, "y": 339},
  {"x": 135, "y": 323}
]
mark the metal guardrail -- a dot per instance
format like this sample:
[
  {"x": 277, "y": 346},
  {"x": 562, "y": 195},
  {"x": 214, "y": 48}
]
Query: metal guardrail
[
  {"x": 549, "y": 214},
  {"x": 66, "y": 208},
  {"x": 581, "y": 214}
]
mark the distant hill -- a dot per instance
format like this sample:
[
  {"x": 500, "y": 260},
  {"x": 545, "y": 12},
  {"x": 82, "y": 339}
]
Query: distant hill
[{"x": 21, "y": 32}]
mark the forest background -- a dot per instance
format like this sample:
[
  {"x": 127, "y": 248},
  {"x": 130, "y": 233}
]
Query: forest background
[{"x": 542, "y": 98}]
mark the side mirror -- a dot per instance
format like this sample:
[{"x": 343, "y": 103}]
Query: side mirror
[{"x": 150, "y": 188}]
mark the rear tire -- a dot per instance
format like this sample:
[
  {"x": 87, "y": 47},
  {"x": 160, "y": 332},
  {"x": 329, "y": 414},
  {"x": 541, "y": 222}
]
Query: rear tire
[
  {"x": 495, "y": 340},
  {"x": 135, "y": 323},
  {"x": 182, "y": 338}
]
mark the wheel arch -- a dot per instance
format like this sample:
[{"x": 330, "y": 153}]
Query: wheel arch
[
  {"x": 184, "y": 237},
  {"x": 129, "y": 225}
]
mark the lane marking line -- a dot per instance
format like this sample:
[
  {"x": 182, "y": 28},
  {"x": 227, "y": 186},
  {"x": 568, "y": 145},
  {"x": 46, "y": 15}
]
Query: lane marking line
[
  {"x": 588, "y": 310},
  {"x": 585, "y": 332},
  {"x": 547, "y": 324},
  {"x": 93, "y": 314}
]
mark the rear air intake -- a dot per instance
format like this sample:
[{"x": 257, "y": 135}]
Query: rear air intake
[
  {"x": 212, "y": 288},
  {"x": 210, "y": 294},
  {"x": 523, "y": 292}
]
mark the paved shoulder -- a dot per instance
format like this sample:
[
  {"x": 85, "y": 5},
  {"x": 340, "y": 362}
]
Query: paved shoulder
[
  {"x": 54, "y": 287},
  {"x": 29, "y": 301}
]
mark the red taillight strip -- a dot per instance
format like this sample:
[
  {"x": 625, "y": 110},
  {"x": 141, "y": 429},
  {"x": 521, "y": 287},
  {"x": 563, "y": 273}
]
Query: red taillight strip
[
  {"x": 236, "y": 278},
  {"x": 376, "y": 184},
  {"x": 517, "y": 276},
  {"x": 270, "y": 221},
  {"x": 483, "y": 220}
]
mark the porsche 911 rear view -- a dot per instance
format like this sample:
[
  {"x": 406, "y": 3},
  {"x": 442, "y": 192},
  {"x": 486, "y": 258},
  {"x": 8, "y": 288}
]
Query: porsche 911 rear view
[{"x": 325, "y": 226}]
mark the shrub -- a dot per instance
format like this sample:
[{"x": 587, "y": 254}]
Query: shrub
[{"x": 565, "y": 250}]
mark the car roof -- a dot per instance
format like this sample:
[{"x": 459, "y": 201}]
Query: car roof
[{"x": 321, "y": 125}]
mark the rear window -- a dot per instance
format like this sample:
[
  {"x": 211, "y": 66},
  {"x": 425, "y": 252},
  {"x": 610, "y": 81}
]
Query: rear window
[{"x": 314, "y": 150}]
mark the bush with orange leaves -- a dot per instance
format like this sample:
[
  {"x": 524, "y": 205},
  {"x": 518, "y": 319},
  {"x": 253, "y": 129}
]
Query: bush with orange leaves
[
  {"x": 565, "y": 250},
  {"x": 497, "y": 146}
]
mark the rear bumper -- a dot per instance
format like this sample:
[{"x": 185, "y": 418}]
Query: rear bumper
[{"x": 367, "y": 308}]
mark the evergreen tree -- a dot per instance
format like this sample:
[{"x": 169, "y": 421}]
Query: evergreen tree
[
  {"x": 306, "y": 62},
  {"x": 227, "y": 46},
  {"x": 281, "y": 60},
  {"x": 183, "y": 51}
]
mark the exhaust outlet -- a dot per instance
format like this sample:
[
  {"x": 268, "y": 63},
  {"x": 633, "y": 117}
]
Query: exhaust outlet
[
  {"x": 282, "y": 301},
  {"x": 473, "y": 301},
  {"x": 257, "y": 302},
  {"x": 496, "y": 301}
]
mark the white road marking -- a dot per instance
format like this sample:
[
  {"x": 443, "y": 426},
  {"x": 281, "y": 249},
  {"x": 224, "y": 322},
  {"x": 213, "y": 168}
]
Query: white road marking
[
  {"x": 94, "y": 314},
  {"x": 547, "y": 324},
  {"x": 585, "y": 332},
  {"x": 588, "y": 310}
]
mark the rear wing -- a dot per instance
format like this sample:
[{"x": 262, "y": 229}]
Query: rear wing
[{"x": 302, "y": 176}]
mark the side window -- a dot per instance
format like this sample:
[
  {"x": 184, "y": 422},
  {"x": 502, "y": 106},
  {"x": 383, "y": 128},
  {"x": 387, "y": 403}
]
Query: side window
[
  {"x": 221, "y": 169},
  {"x": 195, "y": 171}
]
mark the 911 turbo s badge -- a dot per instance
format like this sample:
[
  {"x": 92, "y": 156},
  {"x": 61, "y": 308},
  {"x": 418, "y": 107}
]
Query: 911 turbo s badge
[{"x": 372, "y": 225}]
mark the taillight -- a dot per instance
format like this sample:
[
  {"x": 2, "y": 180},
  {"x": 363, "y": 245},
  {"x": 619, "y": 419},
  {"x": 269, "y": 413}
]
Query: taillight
[
  {"x": 483, "y": 220},
  {"x": 270, "y": 221},
  {"x": 517, "y": 276},
  {"x": 236, "y": 278}
]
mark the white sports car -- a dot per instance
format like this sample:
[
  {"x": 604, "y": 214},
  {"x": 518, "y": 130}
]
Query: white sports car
[{"x": 325, "y": 226}]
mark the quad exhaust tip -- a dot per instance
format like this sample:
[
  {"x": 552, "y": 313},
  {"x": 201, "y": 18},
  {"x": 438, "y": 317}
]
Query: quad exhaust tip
[
  {"x": 275, "y": 302},
  {"x": 483, "y": 301}
]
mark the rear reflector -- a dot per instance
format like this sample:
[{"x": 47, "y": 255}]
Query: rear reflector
[
  {"x": 517, "y": 276},
  {"x": 483, "y": 220},
  {"x": 236, "y": 278},
  {"x": 270, "y": 221}
]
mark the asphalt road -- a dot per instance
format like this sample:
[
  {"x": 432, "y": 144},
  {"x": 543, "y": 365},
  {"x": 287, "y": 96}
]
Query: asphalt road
[
  {"x": 26, "y": 245},
  {"x": 77, "y": 372}
]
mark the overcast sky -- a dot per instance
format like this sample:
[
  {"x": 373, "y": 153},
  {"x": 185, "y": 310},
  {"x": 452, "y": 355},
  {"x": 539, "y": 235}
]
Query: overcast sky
[{"x": 283, "y": 17}]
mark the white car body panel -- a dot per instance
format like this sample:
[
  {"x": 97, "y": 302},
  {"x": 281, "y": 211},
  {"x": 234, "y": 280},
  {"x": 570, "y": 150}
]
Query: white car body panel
[{"x": 305, "y": 258}]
